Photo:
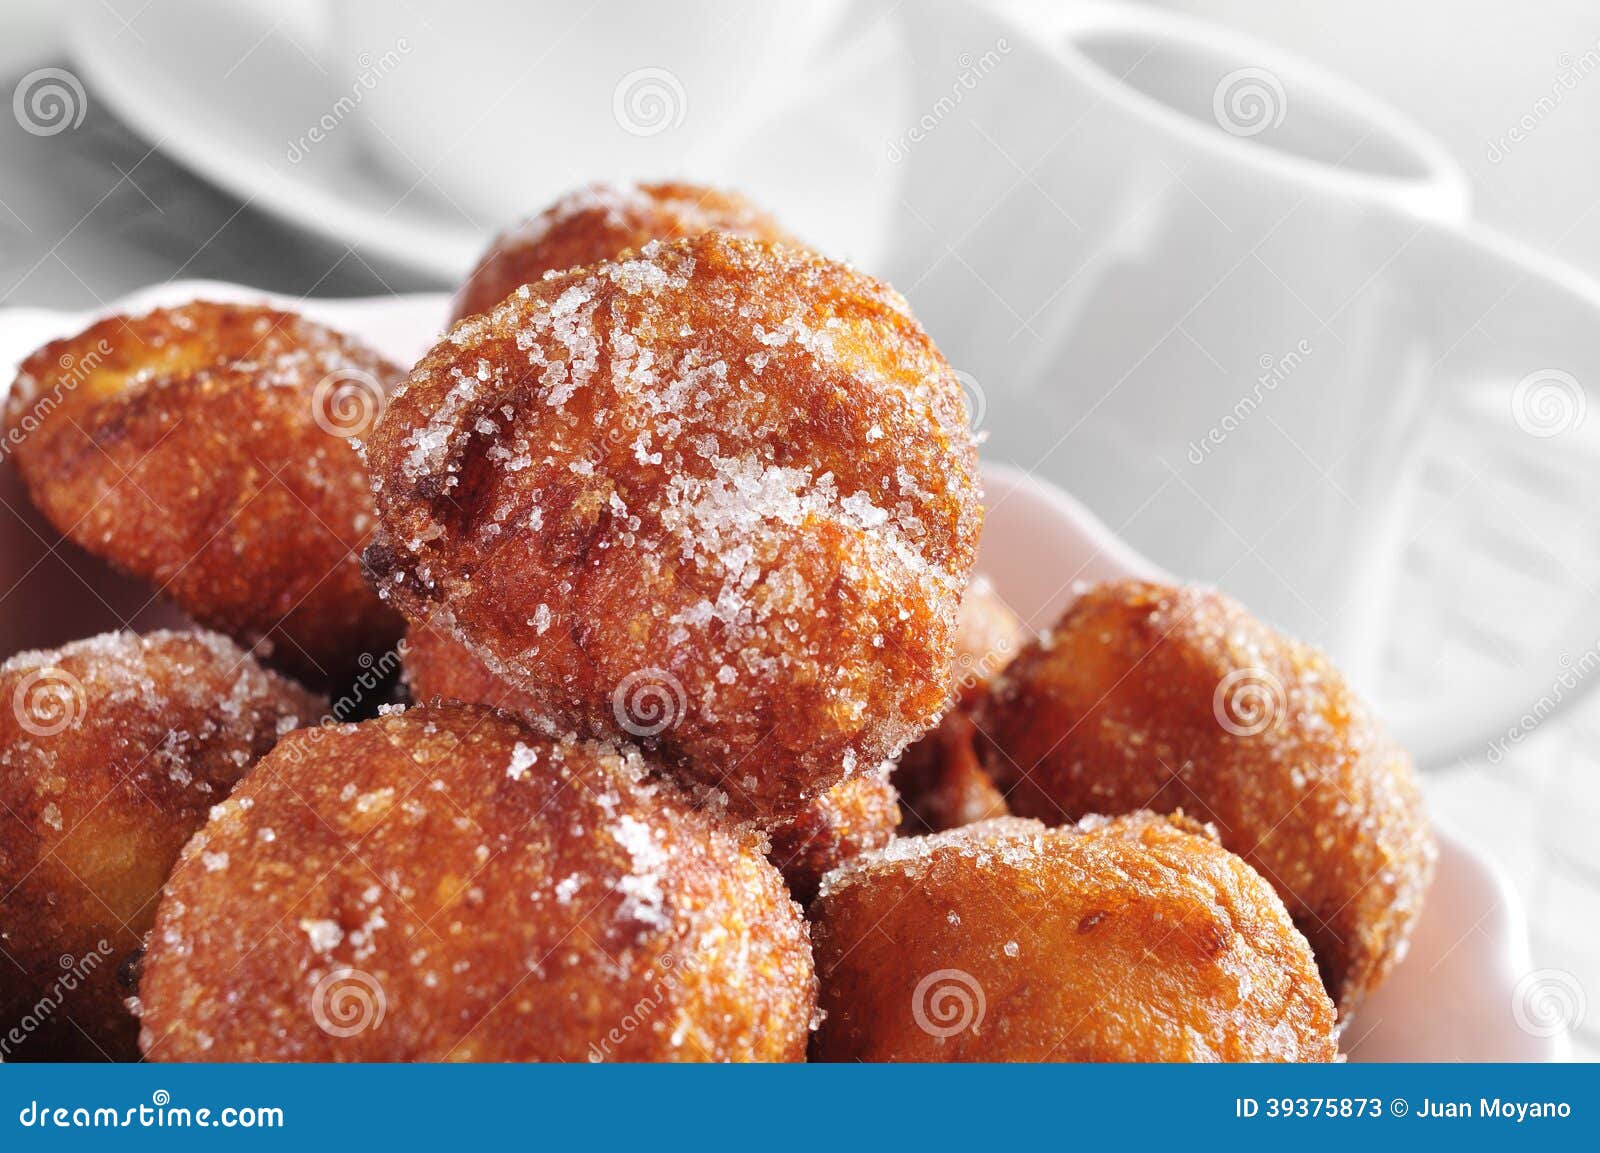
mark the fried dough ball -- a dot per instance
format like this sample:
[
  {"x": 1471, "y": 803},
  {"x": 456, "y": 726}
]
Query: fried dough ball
[
  {"x": 597, "y": 223},
  {"x": 988, "y": 636},
  {"x": 850, "y": 818},
  {"x": 853, "y": 817},
  {"x": 446, "y": 884},
  {"x": 1135, "y": 940},
  {"x": 940, "y": 781},
  {"x": 439, "y": 667},
  {"x": 590, "y": 225},
  {"x": 112, "y": 750},
  {"x": 206, "y": 449},
  {"x": 1145, "y": 696},
  {"x": 720, "y": 497}
]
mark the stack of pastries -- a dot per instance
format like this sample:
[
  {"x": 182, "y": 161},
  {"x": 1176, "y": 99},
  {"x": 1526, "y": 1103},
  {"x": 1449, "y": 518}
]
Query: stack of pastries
[{"x": 707, "y": 744}]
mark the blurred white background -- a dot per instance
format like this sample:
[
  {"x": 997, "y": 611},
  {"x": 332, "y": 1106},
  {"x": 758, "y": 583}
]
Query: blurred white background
[{"x": 1511, "y": 90}]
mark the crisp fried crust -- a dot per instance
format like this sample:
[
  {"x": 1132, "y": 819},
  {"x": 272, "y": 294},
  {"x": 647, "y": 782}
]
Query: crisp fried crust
[
  {"x": 436, "y": 666},
  {"x": 111, "y": 752},
  {"x": 207, "y": 450},
  {"x": 1138, "y": 939},
  {"x": 851, "y": 817},
  {"x": 720, "y": 497},
  {"x": 1145, "y": 696},
  {"x": 599, "y": 221},
  {"x": 988, "y": 636},
  {"x": 940, "y": 781},
  {"x": 447, "y": 884}
]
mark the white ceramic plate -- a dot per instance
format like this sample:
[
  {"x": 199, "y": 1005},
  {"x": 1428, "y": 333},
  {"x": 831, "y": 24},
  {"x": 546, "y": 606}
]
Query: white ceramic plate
[{"x": 1465, "y": 991}]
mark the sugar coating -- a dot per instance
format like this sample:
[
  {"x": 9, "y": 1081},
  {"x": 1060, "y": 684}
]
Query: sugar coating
[
  {"x": 161, "y": 700},
  {"x": 478, "y": 891},
  {"x": 210, "y": 449},
  {"x": 1148, "y": 695},
  {"x": 855, "y": 815},
  {"x": 112, "y": 752},
  {"x": 599, "y": 221},
  {"x": 688, "y": 428},
  {"x": 1135, "y": 938}
]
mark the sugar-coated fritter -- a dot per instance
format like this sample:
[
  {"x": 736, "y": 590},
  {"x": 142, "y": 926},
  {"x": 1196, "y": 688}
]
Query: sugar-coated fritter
[
  {"x": 851, "y": 817},
  {"x": 599, "y": 221},
  {"x": 941, "y": 783},
  {"x": 112, "y": 750},
  {"x": 436, "y": 666},
  {"x": 446, "y": 884},
  {"x": 988, "y": 636},
  {"x": 207, "y": 449},
  {"x": 1139, "y": 939},
  {"x": 1151, "y": 697},
  {"x": 720, "y": 497}
]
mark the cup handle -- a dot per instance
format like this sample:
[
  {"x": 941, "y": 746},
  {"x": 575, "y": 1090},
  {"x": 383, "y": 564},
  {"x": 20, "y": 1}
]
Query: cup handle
[{"x": 1507, "y": 318}]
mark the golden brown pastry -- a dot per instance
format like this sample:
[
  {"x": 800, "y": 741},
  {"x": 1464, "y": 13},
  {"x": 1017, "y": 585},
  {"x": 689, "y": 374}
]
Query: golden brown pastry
[
  {"x": 1146, "y": 696},
  {"x": 719, "y": 498},
  {"x": 853, "y": 816},
  {"x": 446, "y": 884},
  {"x": 599, "y": 221},
  {"x": 941, "y": 783},
  {"x": 112, "y": 750},
  {"x": 1139, "y": 939},
  {"x": 436, "y": 666},
  {"x": 208, "y": 449}
]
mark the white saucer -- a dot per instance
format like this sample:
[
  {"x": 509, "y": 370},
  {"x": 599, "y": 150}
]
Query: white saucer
[
  {"x": 229, "y": 88},
  {"x": 1462, "y": 994}
]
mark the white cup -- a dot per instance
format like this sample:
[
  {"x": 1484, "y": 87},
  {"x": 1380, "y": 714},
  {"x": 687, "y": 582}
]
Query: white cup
[
  {"x": 505, "y": 104},
  {"x": 1217, "y": 294}
]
